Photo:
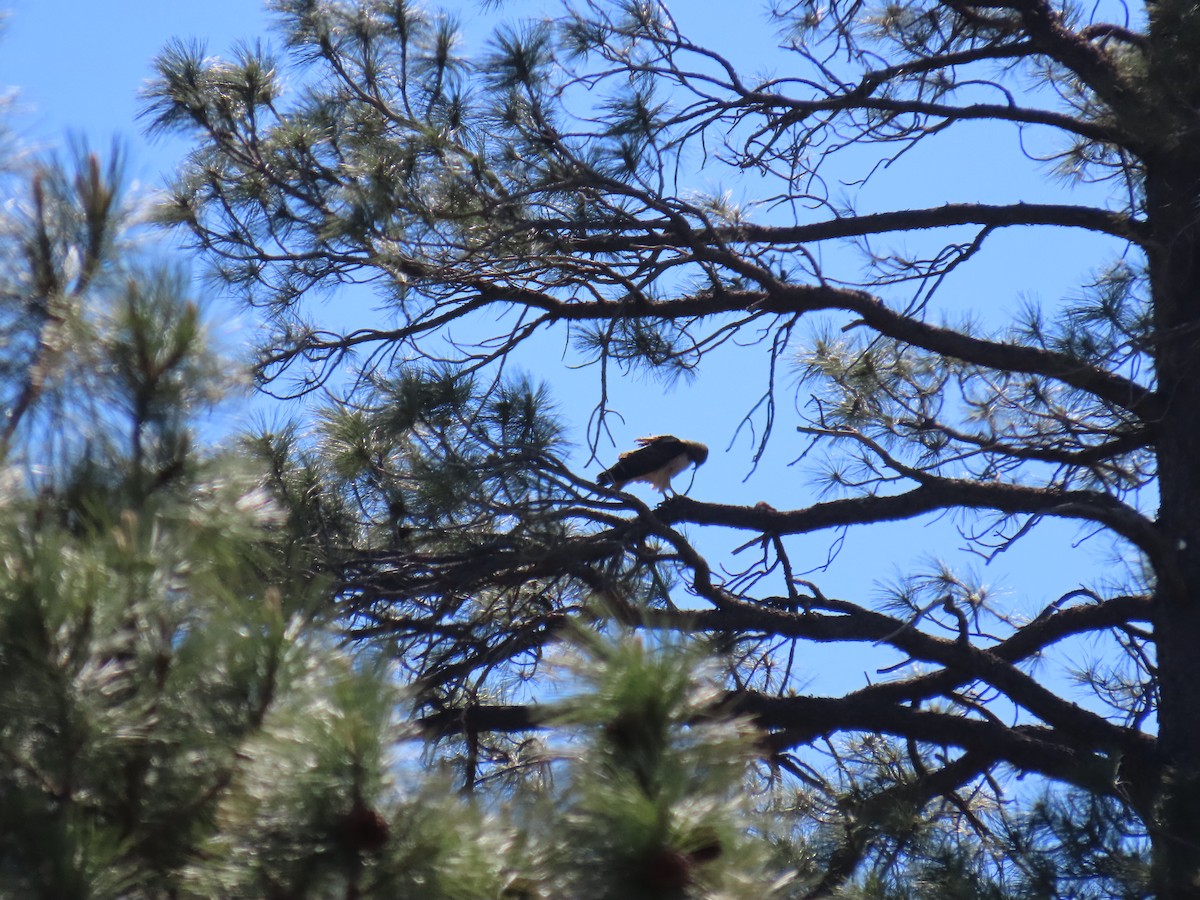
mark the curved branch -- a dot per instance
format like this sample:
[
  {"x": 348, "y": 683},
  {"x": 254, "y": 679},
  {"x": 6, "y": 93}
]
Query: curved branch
[
  {"x": 935, "y": 495},
  {"x": 794, "y": 721},
  {"x": 800, "y": 720},
  {"x": 798, "y": 110},
  {"x": 907, "y": 794},
  {"x": 659, "y": 234},
  {"x": 1106, "y": 385},
  {"x": 961, "y": 662},
  {"x": 786, "y": 299}
]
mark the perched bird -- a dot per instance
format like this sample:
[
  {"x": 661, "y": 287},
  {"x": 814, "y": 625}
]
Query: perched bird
[{"x": 657, "y": 460}]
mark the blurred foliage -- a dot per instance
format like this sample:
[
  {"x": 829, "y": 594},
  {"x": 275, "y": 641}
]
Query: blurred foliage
[{"x": 399, "y": 648}]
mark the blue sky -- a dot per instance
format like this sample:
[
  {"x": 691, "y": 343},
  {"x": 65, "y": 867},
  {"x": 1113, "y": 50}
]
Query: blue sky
[{"x": 79, "y": 65}]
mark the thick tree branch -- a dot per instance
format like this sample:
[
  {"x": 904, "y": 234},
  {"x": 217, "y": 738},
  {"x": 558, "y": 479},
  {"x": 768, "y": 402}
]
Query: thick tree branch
[
  {"x": 799, "y": 110},
  {"x": 477, "y": 719},
  {"x": 937, "y": 494},
  {"x": 795, "y": 721},
  {"x": 961, "y": 662},
  {"x": 489, "y": 290},
  {"x": 872, "y": 813},
  {"x": 641, "y": 236}
]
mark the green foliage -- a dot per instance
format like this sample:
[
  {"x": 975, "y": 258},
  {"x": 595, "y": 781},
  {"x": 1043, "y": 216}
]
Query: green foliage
[
  {"x": 434, "y": 453},
  {"x": 657, "y": 806},
  {"x": 170, "y": 728},
  {"x": 176, "y": 721},
  {"x": 559, "y": 180}
]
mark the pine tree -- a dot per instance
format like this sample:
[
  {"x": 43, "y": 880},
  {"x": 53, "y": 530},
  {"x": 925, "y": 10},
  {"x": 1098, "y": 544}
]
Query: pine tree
[
  {"x": 548, "y": 184},
  {"x": 179, "y": 717},
  {"x": 148, "y": 632}
]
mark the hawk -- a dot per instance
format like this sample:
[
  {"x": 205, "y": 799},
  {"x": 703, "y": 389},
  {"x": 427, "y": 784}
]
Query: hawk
[{"x": 657, "y": 460}]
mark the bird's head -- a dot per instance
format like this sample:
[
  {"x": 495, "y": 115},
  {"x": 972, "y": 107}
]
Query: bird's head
[{"x": 696, "y": 452}]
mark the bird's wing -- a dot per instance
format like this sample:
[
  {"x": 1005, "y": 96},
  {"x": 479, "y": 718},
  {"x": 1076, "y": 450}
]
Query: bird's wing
[
  {"x": 654, "y": 453},
  {"x": 655, "y": 439}
]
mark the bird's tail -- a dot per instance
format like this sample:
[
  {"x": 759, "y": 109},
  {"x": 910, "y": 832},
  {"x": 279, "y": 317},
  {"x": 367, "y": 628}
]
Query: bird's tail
[{"x": 611, "y": 476}]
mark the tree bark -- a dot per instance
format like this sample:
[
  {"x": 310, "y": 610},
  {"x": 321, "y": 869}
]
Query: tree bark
[{"x": 1172, "y": 186}]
